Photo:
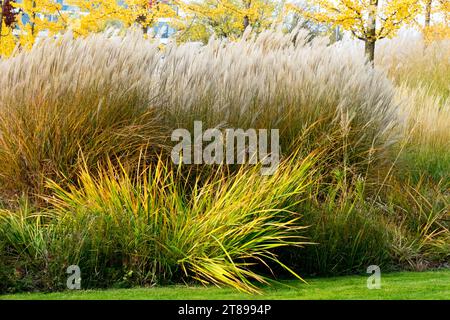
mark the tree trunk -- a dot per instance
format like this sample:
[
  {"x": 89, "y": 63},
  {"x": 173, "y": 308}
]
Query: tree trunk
[
  {"x": 33, "y": 18},
  {"x": 371, "y": 34},
  {"x": 246, "y": 22},
  {"x": 1, "y": 18},
  {"x": 247, "y": 5},
  {"x": 370, "y": 51},
  {"x": 428, "y": 13}
]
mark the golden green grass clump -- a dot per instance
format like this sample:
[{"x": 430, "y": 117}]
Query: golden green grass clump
[{"x": 155, "y": 229}]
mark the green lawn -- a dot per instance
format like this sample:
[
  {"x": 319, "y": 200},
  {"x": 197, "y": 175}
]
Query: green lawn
[{"x": 403, "y": 285}]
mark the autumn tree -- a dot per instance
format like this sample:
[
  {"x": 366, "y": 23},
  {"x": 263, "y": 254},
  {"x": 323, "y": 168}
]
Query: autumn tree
[
  {"x": 224, "y": 18},
  {"x": 96, "y": 14},
  {"x": 428, "y": 4},
  {"x": 438, "y": 7},
  {"x": 43, "y": 16},
  {"x": 31, "y": 19},
  {"x": 93, "y": 15},
  {"x": 367, "y": 20},
  {"x": 7, "y": 13},
  {"x": 439, "y": 11},
  {"x": 292, "y": 20},
  {"x": 8, "y": 20}
]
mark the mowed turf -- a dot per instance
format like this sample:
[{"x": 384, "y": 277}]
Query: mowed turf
[{"x": 402, "y": 285}]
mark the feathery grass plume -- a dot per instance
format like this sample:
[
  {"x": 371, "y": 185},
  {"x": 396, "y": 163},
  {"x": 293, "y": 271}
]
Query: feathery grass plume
[
  {"x": 277, "y": 80},
  {"x": 70, "y": 97},
  {"x": 94, "y": 95},
  {"x": 426, "y": 134},
  {"x": 408, "y": 60}
]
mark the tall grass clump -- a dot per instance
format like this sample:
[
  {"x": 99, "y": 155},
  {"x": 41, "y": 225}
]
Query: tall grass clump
[
  {"x": 72, "y": 97},
  {"x": 106, "y": 95},
  {"x": 426, "y": 137},
  {"x": 415, "y": 196},
  {"x": 308, "y": 90},
  {"x": 420, "y": 218},
  {"x": 349, "y": 232},
  {"x": 409, "y": 60},
  {"x": 151, "y": 228}
]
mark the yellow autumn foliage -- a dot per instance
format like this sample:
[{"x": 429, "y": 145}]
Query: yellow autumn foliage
[
  {"x": 355, "y": 15},
  {"x": 7, "y": 41},
  {"x": 436, "y": 32},
  {"x": 45, "y": 18},
  {"x": 224, "y": 18}
]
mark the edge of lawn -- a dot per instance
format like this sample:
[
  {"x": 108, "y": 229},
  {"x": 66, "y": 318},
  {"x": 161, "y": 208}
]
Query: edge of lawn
[{"x": 394, "y": 286}]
